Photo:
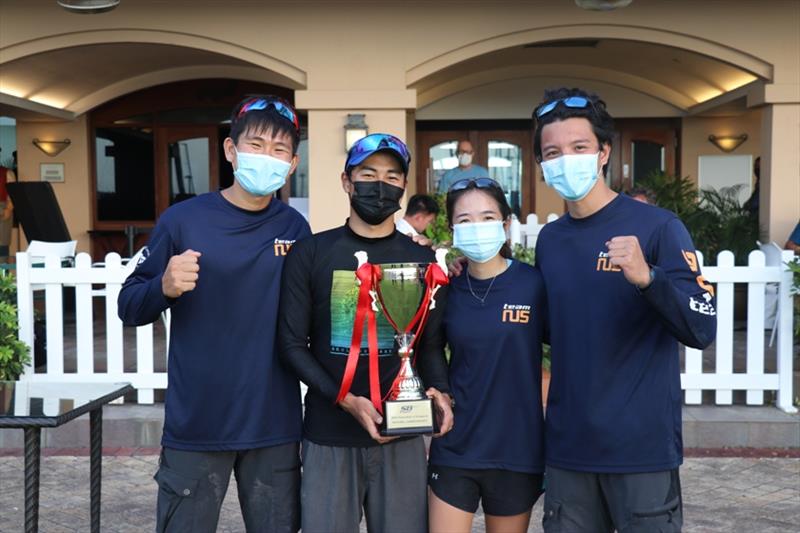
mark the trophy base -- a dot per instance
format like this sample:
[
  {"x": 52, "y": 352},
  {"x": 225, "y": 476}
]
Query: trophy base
[{"x": 408, "y": 417}]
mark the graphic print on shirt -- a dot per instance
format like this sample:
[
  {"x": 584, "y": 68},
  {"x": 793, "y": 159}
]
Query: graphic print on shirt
[
  {"x": 516, "y": 313},
  {"x": 282, "y": 246},
  {"x": 604, "y": 263},
  {"x": 344, "y": 300},
  {"x": 691, "y": 260}
]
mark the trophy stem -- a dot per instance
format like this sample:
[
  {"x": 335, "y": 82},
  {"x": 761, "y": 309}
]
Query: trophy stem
[{"x": 407, "y": 386}]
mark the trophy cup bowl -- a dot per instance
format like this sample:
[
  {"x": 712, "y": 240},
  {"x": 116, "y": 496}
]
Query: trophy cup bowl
[{"x": 407, "y": 410}]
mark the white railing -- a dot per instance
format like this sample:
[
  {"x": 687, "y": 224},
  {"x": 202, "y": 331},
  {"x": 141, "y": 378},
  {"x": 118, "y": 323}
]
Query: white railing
[
  {"x": 50, "y": 280},
  {"x": 761, "y": 270},
  {"x": 526, "y": 234}
]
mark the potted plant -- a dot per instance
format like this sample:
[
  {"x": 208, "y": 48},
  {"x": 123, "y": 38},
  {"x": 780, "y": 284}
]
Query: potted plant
[{"x": 14, "y": 354}]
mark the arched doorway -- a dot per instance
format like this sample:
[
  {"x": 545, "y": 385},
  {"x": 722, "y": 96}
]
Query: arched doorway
[
  {"x": 153, "y": 148},
  {"x": 486, "y": 92}
]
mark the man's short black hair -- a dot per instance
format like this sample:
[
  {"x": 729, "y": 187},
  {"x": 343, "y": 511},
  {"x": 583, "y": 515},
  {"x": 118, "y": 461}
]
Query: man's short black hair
[
  {"x": 595, "y": 113},
  {"x": 263, "y": 121},
  {"x": 422, "y": 203}
]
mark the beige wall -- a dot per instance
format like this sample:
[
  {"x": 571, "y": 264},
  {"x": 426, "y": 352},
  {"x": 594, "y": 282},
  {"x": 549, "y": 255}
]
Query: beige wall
[
  {"x": 695, "y": 132},
  {"x": 371, "y": 53},
  {"x": 73, "y": 195},
  {"x": 327, "y": 200},
  {"x": 780, "y": 197}
]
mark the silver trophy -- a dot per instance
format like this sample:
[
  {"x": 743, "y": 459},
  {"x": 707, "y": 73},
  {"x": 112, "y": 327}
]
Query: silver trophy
[{"x": 400, "y": 294}]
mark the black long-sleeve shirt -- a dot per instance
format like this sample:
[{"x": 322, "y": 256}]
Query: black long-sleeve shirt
[{"x": 318, "y": 303}]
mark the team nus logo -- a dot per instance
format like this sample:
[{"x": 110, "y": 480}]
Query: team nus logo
[
  {"x": 519, "y": 314},
  {"x": 604, "y": 264},
  {"x": 282, "y": 246}
]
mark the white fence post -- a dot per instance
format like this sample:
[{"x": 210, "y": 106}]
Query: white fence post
[
  {"x": 755, "y": 327},
  {"x": 724, "y": 355}
]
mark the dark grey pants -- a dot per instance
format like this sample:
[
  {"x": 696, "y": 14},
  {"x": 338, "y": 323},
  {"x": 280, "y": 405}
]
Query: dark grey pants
[
  {"x": 192, "y": 486},
  {"x": 585, "y": 502},
  {"x": 389, "y": 482}
]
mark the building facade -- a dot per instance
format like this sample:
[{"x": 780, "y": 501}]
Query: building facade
[{"x": 142, "y": 93}]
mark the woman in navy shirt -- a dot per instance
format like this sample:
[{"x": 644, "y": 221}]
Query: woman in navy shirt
[{"x": 494, "y": 324}]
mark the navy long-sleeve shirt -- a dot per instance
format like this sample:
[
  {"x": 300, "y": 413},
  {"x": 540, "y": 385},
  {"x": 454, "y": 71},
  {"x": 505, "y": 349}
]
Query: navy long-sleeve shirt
[
  {"x": 615, "y": 397},
  {"x": 495, "y": 372},
  {"x": 227, "y": 389}
]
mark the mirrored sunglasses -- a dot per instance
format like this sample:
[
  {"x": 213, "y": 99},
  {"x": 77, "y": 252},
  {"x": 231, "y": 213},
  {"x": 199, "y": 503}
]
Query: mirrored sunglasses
[
  {"x": 281, "y": 107},
  {"x": 377, "y": 141},
  {"x": 575, "y": 102},
  {"x": 475, "y": 183}
]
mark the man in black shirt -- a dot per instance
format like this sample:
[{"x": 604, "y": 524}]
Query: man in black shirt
[{"x": 347, "y": 464}]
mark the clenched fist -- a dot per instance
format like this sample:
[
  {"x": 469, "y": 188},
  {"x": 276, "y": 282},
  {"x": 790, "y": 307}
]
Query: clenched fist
[
  {"x": 181, "y": 274},
  {"x": 626, "y": 253}
]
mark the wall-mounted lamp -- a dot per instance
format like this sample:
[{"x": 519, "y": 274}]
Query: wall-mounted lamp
[
  {"x": 354, "y": 130},
  {"x": 727, "y": 143},
  {"x": 52, "y": 148},
  {"x": 602, "y": 5},
  {"x": 88, "y": 7}
]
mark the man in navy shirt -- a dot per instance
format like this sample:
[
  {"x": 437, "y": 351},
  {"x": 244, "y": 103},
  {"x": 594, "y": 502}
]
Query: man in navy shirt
[
  {"x": 216, "y": 262},
  {"x": 624, "y": 288}
]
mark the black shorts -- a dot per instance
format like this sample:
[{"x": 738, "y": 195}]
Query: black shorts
[{"x": 501, "y": 492}]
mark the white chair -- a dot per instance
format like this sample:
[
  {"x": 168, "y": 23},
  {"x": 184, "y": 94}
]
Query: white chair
[
  {"x": 772, "y": 256},
  {"x": 38, "y": 250}
]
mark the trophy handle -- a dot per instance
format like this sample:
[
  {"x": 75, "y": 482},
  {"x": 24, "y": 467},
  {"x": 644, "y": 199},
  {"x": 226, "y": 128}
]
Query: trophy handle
[
  {"x": 361, "y": 257},
  {"x": 441, "y": 258}
]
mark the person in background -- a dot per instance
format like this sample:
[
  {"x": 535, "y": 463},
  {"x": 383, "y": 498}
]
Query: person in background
[
  {"x": 465, "y": 169},
  {"x": 793, "y": 243},
  {"x": 215, "y": 261},
  {"x": 495, "y": 454},
  {"x": 420, "y": 213},
  {"x": 752, "y": 203},
  {"x": 6, "y": 210},
  {"x": 643, "y": 194}
]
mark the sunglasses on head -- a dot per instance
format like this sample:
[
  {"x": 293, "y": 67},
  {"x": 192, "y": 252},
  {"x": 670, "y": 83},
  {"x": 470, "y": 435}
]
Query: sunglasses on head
[
  {"x": 575, "y": 102},
  {"x": 379, "y": 141},
  {"x": 281, "y": 107},
  {"x": 475, "y": 183}
]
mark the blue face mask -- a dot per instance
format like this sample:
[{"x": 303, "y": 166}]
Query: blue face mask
[
  {"x": 480, "y": 241},
  {"x": 571, "y": 175},
  {"x": 260, "y": 174}
]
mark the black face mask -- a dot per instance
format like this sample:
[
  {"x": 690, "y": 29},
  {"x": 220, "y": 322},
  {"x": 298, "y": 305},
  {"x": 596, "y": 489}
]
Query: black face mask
[{"x": 375, "y": 201}]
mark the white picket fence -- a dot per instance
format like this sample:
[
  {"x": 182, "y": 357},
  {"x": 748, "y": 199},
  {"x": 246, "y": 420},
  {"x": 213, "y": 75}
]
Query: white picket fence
[
  {"x": 762, "y": 269},
  {"x": 50, "y": 279},
  {"x": 526, "y": 234}
]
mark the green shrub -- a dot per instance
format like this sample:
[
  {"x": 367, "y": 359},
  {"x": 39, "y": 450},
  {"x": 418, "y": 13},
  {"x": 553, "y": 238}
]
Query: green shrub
[{"x": 14, "y": 354}]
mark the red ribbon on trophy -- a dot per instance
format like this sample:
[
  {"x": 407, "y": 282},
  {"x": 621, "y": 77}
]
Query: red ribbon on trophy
[{"x": 368, "y": 277}]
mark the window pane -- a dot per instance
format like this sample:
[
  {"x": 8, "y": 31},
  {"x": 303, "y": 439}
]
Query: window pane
[
  {"x": 188, "y": 168},
  {"x": 505, "y": 167},
  {"x": 647, "y": 157},
  {"x": 441, "y": 158},
  {"x": 125, "y": 179}
]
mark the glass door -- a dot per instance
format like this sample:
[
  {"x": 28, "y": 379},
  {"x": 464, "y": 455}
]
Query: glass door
[{"x": 187, "y": 163}]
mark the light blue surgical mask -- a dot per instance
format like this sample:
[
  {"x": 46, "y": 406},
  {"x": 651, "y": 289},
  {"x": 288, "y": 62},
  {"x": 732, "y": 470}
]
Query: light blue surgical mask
[
  {"x": 479, "y": 241},
  {"x": 571, "y": 175},
  {"x": 260, "y": 174}
]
